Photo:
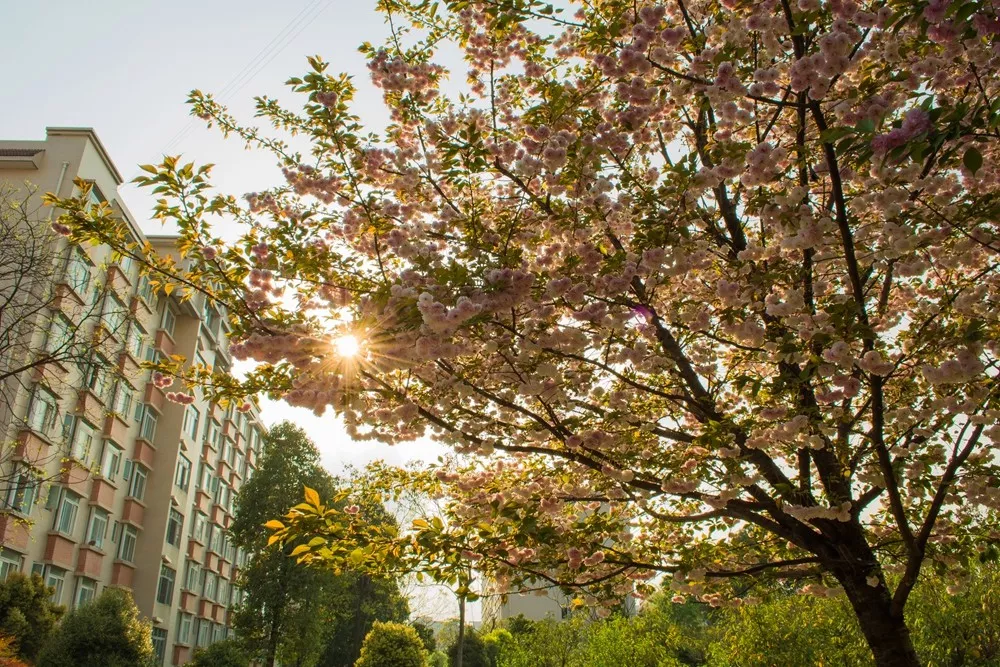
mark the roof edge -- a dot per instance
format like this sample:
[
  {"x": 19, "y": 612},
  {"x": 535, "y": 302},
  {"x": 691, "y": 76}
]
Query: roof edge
[{"x": 92, "y": 135}]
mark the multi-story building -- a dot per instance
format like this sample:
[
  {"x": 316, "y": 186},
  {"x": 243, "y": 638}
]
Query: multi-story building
[{"x": 110, "y": 483}]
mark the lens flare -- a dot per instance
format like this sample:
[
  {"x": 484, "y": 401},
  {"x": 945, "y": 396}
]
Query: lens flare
[{"x": 347, "y": 345}]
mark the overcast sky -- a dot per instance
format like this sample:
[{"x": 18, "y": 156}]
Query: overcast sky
[{"x": 125, "y": 68}]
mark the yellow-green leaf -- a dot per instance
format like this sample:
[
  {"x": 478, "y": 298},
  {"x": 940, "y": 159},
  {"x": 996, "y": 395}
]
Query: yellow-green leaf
[
  {"x": 274, "y": 524},
  {"x": 312, "y": 497}
]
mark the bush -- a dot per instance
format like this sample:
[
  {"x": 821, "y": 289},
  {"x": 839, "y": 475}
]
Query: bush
[
  {"x": 227, "y": 653},
  {"x": 392, "y": 645},
  {"x": 106, "y": 632},
  {"x": 26, "y": 614},
  {"x": 8, "y": 653},
  {"x": 426, "y": 634},
  {"x": 475, "y": 653}
]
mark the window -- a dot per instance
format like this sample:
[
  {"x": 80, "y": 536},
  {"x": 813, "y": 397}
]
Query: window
[
  {"x": 114, "y": 315},
  {"x": 209, "y": 316},
  {"x": 135, "y": 342},
  {"x": 198, "y": 527},
  {"x": 22, "y": 491},
  {"x": 96, "y": 379},
  {"x": 55, "y": 578},
  {"x": 86, "y": 590},
  {"x": 184, "y": 622},
  {"x": 169, "y": 321},
  {"x": 160, "y": 644},
  {"x": 191, "y": 574},
  {"x": 122, "y": 403},
  {"x": 94, "y": 195},
  {"x": 215, "y": 539},
  {"x": 10, "y": 562},
  {"x": 209, "y": 582},
  {"x": 174, "y": 524},
  {"x": 78, "y": 272},
  {"x": 127, "y": 266},
  {"x": 182, "y": 476},
  {"x": 204, "y": 477},
  {"x": 137, "y": 485},
  {"x": 111, "y": 461},
  {"x": 165, "y": 587},
  {"x": 42, "y": 411},
  {"x": 214, "y": 434},
  {"x": 68, "y": 509},
  {"x": 60, "y": 336},
  {"x": 204, "y": 632},
  {"x": 191, "y": 419},
  {"x": 82, "y": 440},
  {"x": 126, "y": 547},
  {"x": 98, "y": 527},
  {"x": 217, "y": 633},
  {"x": 146, "y": 290},
  {"x": 148, "y": 429},
  {"x": 223, "y": 592}
]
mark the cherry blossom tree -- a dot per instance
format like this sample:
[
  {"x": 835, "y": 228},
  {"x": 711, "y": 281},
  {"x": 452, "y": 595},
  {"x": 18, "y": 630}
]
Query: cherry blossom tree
[{"x": 702, "y": 289}]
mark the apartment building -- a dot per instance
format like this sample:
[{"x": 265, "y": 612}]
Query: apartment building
[{"x": 110, "y": 484}]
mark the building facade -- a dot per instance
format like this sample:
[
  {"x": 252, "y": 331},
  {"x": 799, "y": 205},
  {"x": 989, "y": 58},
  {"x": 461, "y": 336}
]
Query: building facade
[{"x": 108, "y": 483}]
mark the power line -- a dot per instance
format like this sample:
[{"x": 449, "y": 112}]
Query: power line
[{"x": 262, "y": 59}]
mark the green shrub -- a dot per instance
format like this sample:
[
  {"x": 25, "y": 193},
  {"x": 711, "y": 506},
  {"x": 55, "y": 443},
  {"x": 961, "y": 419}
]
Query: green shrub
[
  {"x": 26, "y": 613},
  {"x": 106, "y": 632},
  {"x": 227, "y": 653},
  {"x": 475, "y": 653},
  {"x": 392, "y": 645}
]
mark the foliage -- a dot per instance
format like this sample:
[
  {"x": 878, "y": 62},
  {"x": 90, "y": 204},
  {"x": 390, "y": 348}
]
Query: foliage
[
  {"x": 791, "y": 630},
  {"x": 106, "y": 632},
  {"x": 709, "y": 289},
  {"x": 226, "y": 653},
  {"x": 331, "y": 613},
  {"x": 475, "y": 652},
  {"x": 358, "y": 602},
  {"x": 279, "y": 595},
  {"x": 426, "y": 634},
  {"x": 437, "y": 659},
  {"x": 8, "y": 653},
  {"x": 960, "y": 627},
  {"x": 391, "y": 645},
  {"x": 548, "y": 643},
  {"x": 27, "y": 614}
]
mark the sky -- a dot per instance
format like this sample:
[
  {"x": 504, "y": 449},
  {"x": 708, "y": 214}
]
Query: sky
[{"x": 125, "y": 67}]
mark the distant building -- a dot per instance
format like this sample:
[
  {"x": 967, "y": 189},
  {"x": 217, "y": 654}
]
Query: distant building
[
  {"x": 535, "y": 606},
  {"x": 136, "y": 492}
]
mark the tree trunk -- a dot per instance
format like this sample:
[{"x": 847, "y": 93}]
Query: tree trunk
[
  {"x": 886, "y": 632},
  {"x": 461, "y": 631}
]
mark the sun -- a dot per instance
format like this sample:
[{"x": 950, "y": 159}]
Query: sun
[{"x": 347, "y": 345}]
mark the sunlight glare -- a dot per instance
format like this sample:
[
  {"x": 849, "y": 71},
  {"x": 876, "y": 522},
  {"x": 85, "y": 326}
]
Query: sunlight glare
[{"x": 347, "y": 345}]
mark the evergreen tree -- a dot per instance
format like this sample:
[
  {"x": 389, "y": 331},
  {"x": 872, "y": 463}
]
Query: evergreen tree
[
  {"x": 27, "y": 614},
  {"x": 107, "y": 632},
  {"x": 283, "y": 614}
]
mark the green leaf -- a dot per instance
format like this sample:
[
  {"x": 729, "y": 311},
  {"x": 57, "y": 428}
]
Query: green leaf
[{"x": 973, "y": 160}]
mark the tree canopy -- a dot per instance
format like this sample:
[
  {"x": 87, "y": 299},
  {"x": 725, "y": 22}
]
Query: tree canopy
[
  {"x": 27, "y": 613},
  {"x": 707, "y": 289},
  {"x": 392, "y": 645},
  {"x": 106, "y": 632},
  {"x": 298, "y": 615}
]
